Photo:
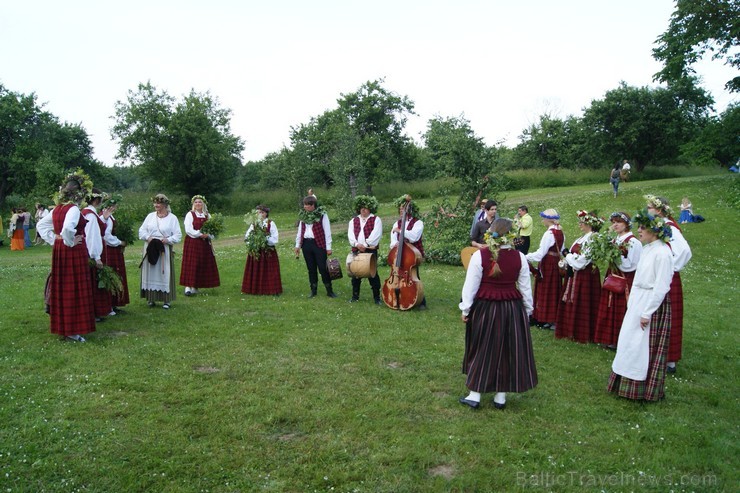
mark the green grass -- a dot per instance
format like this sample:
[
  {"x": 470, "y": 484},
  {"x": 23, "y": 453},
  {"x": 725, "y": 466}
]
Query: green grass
[{"x": 233, "y": 393}]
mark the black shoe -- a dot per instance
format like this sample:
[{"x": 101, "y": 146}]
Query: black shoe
[
  {"x": 378, "y": 302},
  {"x": 354, "y": 300},
  {"x": 466, "y": 402},
  {"x": 499, "y": 406},
  {"x": 331, "y": 294},
  {"x": 671, "y": 370}
]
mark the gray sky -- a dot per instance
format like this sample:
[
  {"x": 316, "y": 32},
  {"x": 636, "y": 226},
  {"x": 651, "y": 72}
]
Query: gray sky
[{"x": 277, "y": 63}]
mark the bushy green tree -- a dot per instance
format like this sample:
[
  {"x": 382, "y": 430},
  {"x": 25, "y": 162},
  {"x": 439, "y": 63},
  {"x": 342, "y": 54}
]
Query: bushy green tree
[
  {"x": 184, "y": 146},
  {"x": 698, "y": 27}
]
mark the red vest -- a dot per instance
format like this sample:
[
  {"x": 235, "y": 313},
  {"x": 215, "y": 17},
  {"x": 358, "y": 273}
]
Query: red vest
[
  {"x": 368, "y": 229},
  {"x": 503, "y": 287},
  {"x": 318, "y": 233},
  {"x": 409, "y": 226}
]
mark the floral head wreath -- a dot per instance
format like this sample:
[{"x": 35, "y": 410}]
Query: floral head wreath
[
  {"x": 620, "y": 216},
  {"x": 196, "y": 197},
  {"x": 496, "y": 240},
  {"x": 658, "y": 203},
  {"x": 657, "y": 224},
  {"x": 366, "y": 201},
  {"x": 161, "y": 198},
  {"x": 85, "y": 186},
  {"x": 96, "y": 194},
  {"x": 590, "y": 218},
  {"x": 401, "y": 202},
  {"x": 112, "y": 200}
]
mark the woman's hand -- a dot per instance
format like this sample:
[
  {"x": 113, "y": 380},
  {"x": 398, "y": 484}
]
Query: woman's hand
[
  {"x": 464, "y": 318},
  {"x": 644, "y": 322}
]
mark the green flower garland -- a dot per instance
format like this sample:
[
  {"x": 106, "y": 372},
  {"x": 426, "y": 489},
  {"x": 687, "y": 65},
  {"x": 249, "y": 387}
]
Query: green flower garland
[{"x": 313, "y": 216}]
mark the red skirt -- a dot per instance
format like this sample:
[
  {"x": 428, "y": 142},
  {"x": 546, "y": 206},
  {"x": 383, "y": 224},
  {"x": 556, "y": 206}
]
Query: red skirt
[
  {"x": 116, "y": 262},
  {"x": 262, "y": 274},
  {"x": 676, "y": 341},
  {"x": 548, "y": 289},
  {"x": 17, "y": 241},
  {"x": 578, "y": 310},
  {"x": 199, "y": 269},
  {"x": 612, "y": 308},
  {"x": 71, "y": 307}
]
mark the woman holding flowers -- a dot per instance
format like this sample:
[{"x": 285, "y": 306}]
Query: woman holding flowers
[
  {"x": 115, "y": 246},
  {"x": 199, "y": 269},
  {"x": 71, "y": 306},
  {"x": 638, "y": 370},
  {"x": 548, "y": 284},
  {"x": 160, "y": 230},
  {"x": 580, "y": 303},
  {"x": 613, "y": 306},
  {"x": 262, "y": 272},
  {"x": 496, "y": 303}
]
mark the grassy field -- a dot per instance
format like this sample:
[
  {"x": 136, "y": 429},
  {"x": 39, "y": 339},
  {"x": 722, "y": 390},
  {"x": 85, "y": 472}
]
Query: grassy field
[{"x": 233, "y": 393}]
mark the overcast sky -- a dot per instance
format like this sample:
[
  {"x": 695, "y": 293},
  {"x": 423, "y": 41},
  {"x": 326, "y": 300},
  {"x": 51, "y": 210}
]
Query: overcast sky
[{"x": 276, "y": 63}]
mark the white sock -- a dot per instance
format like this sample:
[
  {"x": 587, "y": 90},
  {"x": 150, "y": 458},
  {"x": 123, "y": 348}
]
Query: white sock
[
  {"x": 671, "y": 365},
  {"x": 473, "y": 396},
  {"x": 500, "y": 398}
]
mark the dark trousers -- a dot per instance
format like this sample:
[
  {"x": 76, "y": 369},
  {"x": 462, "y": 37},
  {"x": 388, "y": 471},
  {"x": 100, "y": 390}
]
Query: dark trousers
[
  {"x": 524, "y": 247},
  {"x": 374, "y": 281},
  {"x": 315, "y": 258}
]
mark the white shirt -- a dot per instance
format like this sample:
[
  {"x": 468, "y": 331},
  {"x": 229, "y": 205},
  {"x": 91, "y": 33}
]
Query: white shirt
[
  {"x": 93, "y": 238},
  {"x": 108, "y": 237},
  {"x": 475, "y": 274},
  {"x": 629, "y": 263},
  {"x": 375, "y": 235},
  {"x": 309, "y": 232},
  {"x": 547, "y": 241},
  {"x": 188, "y": 222},
  {"x": 681, "y": 250},
  {"x": 167, "y": 227},
  {"x": 579, "y": 261},
  {"x": 45, "y": 227},
  {"x": 411, "y": 236}
]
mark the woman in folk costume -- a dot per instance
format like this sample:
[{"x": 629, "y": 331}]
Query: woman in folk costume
[
  {"x": 496, "y": 304},
  {"x": 160, "y": 230},
  {"x": 15, "y": 230},
  {"x": 548, "y": 284},
  {"x": 364, "y": 233},
  {"x": 262, "y": 272},
  {"x": 681, "y": 255},
  {"x": 94, "y": 231},
  {"x": 638, "y": 370},
  {"x": 613, "y": 306},
  {"x": 114, "y": 248},
  {"x": 580, "y": 302},
  {"x": 71, "y": 306},
  {"x": 199, "y": 269}
]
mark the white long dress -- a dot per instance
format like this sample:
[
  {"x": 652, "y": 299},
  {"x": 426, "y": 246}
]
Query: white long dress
[{"x": 160, "y": 277}]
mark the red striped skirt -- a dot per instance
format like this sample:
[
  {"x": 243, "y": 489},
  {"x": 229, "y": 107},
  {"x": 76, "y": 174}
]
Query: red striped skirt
[
  {"x": 262, "y": 274},
  {"x": 548, "y": 289},
  {"x": 612, "y": 308},
  {"x": 71, "y": 307},
  {"x": 579, "y": 307},
  {"x": 676, "y": 342},
  {"x": 117, "y": 262},
  {"x": 199, "y": 269}
]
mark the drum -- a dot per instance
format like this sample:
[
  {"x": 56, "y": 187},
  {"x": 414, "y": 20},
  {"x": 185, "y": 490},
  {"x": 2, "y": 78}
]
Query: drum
[
  {"x": 362, "y": 265},
  {"x": 335, "y": 271}
]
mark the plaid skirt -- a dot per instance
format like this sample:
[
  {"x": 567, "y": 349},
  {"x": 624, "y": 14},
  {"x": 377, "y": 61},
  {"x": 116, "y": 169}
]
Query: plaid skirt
[
  {"x": 101, "y": 297},
  {"x": 71, "y": 306},
  {"x": 548, "y": 289},
  {"x": 579, "y": 306},
  {"x": 117, "y": 262},
  {"x": 653, "y": 387},
  {"x": 262, "y": 274},
  {"x": 676, "y": 296},
  {"x": 498, "y": 347},
  {"x": 199, "y": 269},
  {"x": 612, "y": 308}
]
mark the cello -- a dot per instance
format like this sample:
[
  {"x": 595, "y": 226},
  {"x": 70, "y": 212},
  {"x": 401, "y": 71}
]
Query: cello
[{"x": 403, "y": 290}]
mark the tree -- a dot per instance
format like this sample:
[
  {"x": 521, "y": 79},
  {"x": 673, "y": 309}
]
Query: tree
[
  {"x": 36, "y": 149},
  {"x": 646, "y": 125},
  {"x": 544, "y": 144},
  {"x": 698, "y": 26},
  {"x": 186, "y": 147}
]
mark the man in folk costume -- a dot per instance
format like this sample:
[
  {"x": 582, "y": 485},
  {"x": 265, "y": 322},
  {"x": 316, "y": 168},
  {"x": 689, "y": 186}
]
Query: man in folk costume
[
  {"x": 314, "y": 240},
  {"x": 94, "y": 231},
  {"x": 69, "y": 289},
  {"x": 413, "y": 234},
  {"x": 681, "y": 255},
  {"x": 364, "y": 233},
  {"x": 638, "y": 370}
]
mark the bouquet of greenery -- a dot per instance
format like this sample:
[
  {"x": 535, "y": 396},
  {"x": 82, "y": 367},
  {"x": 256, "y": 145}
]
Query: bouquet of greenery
[
  {"x": 604, "y": 252},
  {"x": 108, "y": 279},
  {"x": 257, "y": 239},
  {"x": 213, "y": 226},
  {"x": 125, "y": 229}
]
